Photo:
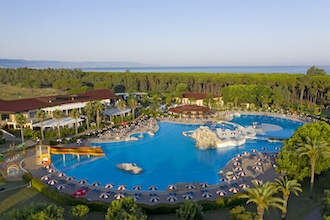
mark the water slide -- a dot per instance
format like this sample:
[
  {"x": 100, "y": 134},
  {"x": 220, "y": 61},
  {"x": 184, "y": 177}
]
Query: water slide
[{"x": 94, "y": 151}]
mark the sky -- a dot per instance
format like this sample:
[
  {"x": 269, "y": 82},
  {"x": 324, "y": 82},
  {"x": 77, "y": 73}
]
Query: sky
[{"x": 168, "y": 32}]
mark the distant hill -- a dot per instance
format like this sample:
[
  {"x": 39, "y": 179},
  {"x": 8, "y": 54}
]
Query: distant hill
[{"x": 41, "y": 64}]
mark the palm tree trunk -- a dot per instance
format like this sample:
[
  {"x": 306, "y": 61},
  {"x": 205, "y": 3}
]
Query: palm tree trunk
[
  {"x": 58, "y": 130},
  {"x": 76, "y": 127},
  {"x": 22, "y": 134},
  {"x": 285, "y": 204},
  {"x": 122, "y": 116},
  {"x": 312, "y": 180},
  {"x": 98, "y": 119},
  {"x": 42, "y": 132},
  {"x": 260, "y": 211},
  {"x": 87, "y": 121}
]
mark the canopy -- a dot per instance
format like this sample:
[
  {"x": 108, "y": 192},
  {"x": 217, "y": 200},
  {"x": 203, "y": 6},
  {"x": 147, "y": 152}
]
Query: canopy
[
  {"x": 53, "y": 122},
  {"x": 116, "y": 111}
]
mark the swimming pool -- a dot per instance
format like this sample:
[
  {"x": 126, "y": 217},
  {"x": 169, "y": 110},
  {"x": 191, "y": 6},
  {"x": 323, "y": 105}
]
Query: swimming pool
[{"x": 168, "y": 157}]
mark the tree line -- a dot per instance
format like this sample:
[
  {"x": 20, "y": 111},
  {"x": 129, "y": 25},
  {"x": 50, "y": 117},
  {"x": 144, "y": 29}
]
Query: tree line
[{"x": 312, "y": 87}]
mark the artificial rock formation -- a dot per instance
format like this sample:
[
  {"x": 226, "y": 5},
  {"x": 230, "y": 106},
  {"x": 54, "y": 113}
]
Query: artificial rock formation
[
  {"x": 129, "y": 167},
  {"x": 205, "y": 138}
]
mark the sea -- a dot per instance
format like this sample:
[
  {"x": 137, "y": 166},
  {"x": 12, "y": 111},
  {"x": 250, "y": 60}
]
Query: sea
[{"x": 210, "y": 69}]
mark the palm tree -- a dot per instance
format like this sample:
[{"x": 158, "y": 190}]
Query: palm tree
[
  {"x": 313, "y": 149},
  {"x": 287, "y": 186},
  {"x": 133, "y": 104},
  {"x": 262, "y": 196},
  {"x": 58, "y": 114},
  {"x": 75, "y": 114},
  {"x": 41, "y": 116},
  {"x": 121, "y": 105},
  {"x": 88, "y": 112},
  {"x": 98, "y": 107},
  {"x": 21, "y": 120}
]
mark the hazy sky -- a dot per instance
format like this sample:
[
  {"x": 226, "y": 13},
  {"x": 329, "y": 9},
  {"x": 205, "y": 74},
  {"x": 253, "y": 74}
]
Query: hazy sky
[{"x": 168, "y": 32}]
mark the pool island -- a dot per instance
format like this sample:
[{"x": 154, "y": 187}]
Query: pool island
[{"x": 129, "y": 167}]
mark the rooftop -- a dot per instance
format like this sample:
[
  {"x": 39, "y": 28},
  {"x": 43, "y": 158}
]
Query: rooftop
[{"x": 21, "y": 105}]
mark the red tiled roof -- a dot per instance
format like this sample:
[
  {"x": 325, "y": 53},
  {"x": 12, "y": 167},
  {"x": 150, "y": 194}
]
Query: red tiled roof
[
  {"x": 197, "y": 95},
  {"x": 190, "y": 108},
  {"x": 20, "y": 105}
]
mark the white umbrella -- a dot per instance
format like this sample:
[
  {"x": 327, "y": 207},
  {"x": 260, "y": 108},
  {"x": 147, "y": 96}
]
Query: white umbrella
[
  {"x": 244, "y": 185},
  {"x": 187, "y": 196},
  {"x": 190, "y": 186},
  {"x": 223, "y": 179},
  {"x": 51, "y": 170},
  {"x": 234, "y": 178},
  {"x": 121, "y": 187},
  {"x": 137, "y": 187},
  {"x": 246, "y": 153},
  {"x": 172, "y": 198},
  {"x": 256, "y": 168},
  {"x": 154, "y": 199},
  {"x": 48, "y": 166},
  {"x": 70, "y": 178},
  {"x": 236, "y": 163},
  {"x": 61, "y": 174},
  {"x": 83, "y": 181},
  {"x": 45, "y": 177},
  {"x": 109, "y": 185},
  {"x": 235, "y": 159},
  {"x": 204, "y": 185},
  {"x": 221, "y": 193},
  {"x": 52, "y": 182},
  {"x": 233, "y": 190},
  {"x": 207, "y": 195},
  {"x": 60, "y": 186},
  {"x": 153, "y": 188},
  {"x": 258, "y": 163},
  {"x": 172, "y": 186},
  {"x": 242, "y": 173},
  {"x": 104, "y": 195},
  {"x": 95, "y": 183},
  {"x": 254, "y": 150},
  {"x": 119, "y": 196},
  {"x": 257, "y": 182},
  {"x": 237, "y": 169}
]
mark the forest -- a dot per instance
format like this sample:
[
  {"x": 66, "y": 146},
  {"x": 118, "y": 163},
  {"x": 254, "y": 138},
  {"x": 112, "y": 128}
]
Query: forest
[{"x": 312, "y": 88}]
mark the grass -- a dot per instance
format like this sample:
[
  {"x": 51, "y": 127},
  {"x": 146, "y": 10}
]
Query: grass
[
  {"x": 8, "y": 92},
  {"x": 18, "y": 198}
]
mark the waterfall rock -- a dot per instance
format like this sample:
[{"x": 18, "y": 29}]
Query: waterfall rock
[{"x": 205, "y": 138}]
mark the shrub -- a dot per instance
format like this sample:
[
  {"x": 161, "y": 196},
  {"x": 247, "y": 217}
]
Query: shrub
[
  {"x": 79, "y": 211},
  {"x": 27, "y": 177},
  {"x": 190, "y": 211},
  {"x": 325, "y": 207},
  {"x": 239, "y": 213}
]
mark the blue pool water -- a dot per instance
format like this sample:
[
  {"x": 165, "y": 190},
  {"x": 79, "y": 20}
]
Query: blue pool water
[{"x": 169, "y": 157}]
